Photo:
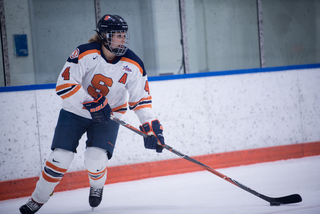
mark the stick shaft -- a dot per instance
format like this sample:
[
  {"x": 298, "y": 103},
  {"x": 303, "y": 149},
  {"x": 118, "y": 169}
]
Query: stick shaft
[{"x": 283, "y": 200}]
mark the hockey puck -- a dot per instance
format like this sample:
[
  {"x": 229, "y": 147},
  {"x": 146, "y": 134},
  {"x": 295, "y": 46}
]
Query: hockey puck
[{"x": 275, "y": 203}]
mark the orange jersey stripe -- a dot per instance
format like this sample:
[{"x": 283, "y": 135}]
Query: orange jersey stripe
[
  {"x": 132, "y": 62},
  {"x": 58, "y": 169},
  {"x": 143, "y": 106},
  {"x": 64, "y": 86},
  {"x": 143, "y": 99},
  {"x": 119, "y": 107},
  {"x": 75, "y": 90},
  {"x": 88, "y": 52}
]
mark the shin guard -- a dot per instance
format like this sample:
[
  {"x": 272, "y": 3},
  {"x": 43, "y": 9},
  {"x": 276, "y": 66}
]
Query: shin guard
[
  {"x": 96, "y": 161},
  {"x": 56, "y": 166}
]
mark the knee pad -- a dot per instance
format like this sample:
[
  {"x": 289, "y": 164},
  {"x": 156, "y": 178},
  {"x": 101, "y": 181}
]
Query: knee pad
[
  {"x": 96, "y": 162},
  {"x": 61, "y": 158},
  {"x": 57, "y": 164}
]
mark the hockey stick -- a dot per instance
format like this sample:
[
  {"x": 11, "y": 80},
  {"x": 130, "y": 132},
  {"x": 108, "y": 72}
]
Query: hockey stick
[{"x": 290, "y": 199}]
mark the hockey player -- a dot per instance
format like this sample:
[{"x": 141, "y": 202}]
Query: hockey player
[{"x": 100, "y": 78}]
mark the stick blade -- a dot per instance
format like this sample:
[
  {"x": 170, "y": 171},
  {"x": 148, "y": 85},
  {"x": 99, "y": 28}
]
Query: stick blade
[{"x": 290, "y": 199}]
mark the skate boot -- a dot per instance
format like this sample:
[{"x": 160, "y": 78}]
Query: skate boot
[
  {"x": 30, "y": 207},
  {"x": 95, "y": 196}
]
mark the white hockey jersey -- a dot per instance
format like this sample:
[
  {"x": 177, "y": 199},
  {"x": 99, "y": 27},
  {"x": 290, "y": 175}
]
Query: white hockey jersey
[{"x": 124, "y": 82}]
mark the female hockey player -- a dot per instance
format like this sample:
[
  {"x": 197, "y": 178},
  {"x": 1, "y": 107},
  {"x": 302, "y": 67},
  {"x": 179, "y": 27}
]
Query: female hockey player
[{"x": 100, "y": 78}]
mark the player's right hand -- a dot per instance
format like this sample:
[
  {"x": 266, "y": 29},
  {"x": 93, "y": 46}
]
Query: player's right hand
[{"x": 99, "y": 109}]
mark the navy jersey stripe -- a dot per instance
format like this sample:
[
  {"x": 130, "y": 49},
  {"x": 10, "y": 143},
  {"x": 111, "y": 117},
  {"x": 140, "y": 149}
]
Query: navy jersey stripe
[
  {"x": 131, "y": 55},
  {"x": 122, "y": 109},
  {"x": 66, "y": 90},
  {"x": 83, "y": 48},
  {"x": 140, "y": 103},
  {"x": 96, "y": 46}
]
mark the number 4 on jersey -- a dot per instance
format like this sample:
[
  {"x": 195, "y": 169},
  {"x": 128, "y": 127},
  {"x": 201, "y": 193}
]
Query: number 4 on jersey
[
  {"x": 66, "y": 74},
  {"x": 146, "y": 87}
]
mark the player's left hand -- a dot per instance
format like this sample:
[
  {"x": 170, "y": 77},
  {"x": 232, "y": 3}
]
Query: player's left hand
[
  {"x": 99, "y": 109},
  {"x": 155, "y": 139}
]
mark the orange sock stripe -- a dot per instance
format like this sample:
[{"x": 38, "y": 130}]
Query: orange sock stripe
[
  {"x": 50, "y": 179},
  {"x": 97, "y": 175},
  {"x": 58, "y": 169},
  {"x": 97, "y": 178}
]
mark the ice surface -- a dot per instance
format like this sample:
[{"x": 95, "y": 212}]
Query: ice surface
[{"x": 198, "y": 192}]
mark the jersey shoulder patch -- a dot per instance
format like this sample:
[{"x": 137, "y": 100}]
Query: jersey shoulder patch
[
  {"x": 131, "y": 57},
  {"x": 84, "y": 50}
]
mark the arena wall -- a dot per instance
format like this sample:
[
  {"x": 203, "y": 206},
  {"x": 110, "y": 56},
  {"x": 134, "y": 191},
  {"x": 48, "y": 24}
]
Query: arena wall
[{"x": 202, "y": 117}]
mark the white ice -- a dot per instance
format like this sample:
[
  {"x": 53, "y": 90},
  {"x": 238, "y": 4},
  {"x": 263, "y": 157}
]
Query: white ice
[{"x": 198, "y": 192}]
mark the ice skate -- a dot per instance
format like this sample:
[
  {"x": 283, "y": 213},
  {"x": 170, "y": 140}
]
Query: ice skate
[
  {"x": 95, "y": 196},
  {"x": 30, "y": 207}
]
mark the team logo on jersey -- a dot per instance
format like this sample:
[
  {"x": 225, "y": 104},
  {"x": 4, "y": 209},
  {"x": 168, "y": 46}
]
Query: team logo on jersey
[
  {"x": 75, "y": 54},
  {"x": 126, "y": 68}
]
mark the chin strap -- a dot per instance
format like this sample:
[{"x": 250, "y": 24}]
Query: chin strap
[{"x": 107, "y": 46}]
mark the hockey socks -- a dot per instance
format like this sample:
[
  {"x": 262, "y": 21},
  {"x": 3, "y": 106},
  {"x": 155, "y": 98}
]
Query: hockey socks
[
  {"x": 96, "y": 162},
  {"x": 56, "y": 166}
]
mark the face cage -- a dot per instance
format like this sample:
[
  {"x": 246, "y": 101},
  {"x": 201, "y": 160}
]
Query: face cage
[{"x": 116, "y": 45}]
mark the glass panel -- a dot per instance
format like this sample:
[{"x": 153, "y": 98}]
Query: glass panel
[
  {"x": 154, "y": 32},
  {"x": 291, "y": 32},
  {"x": 58, "y": 28},
  {"x": 18, "y": 23},
  {"x": 222, "y": 35},
  {"x": 1, "y": 64}
]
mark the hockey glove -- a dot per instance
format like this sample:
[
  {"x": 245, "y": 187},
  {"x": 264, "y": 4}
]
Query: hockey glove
[
  {"x": 155, "y": 138},
  {"x": 99, "y": 109}
]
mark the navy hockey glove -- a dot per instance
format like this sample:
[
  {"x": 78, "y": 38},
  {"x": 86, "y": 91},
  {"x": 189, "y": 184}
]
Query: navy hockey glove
[
  {"x": 99, "y": 109},
  {"x": 155, "y": 138}
]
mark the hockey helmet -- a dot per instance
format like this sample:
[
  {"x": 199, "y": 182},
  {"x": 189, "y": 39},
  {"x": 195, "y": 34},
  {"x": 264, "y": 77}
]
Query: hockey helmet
[{"x": 110, "y": 26}]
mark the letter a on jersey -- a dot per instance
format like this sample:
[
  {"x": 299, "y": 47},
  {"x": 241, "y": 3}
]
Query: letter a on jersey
[{"x": 123, "y": 79}]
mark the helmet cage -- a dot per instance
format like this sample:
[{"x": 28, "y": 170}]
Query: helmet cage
[{"x": 115, "y": 43}]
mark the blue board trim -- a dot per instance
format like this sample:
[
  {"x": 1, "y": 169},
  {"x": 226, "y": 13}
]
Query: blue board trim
[{"x": 177, "y": 76}]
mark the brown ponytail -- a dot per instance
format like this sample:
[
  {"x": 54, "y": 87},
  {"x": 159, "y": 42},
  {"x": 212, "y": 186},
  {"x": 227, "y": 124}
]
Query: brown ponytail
[{"x": 96, "y": 38}]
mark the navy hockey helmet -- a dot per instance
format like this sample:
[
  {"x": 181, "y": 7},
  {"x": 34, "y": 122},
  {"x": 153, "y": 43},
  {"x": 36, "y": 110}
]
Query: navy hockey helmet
[{"x": 113, "y": 29}]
